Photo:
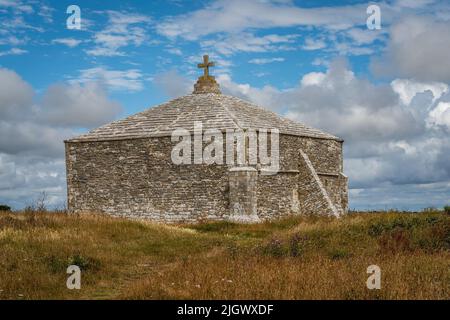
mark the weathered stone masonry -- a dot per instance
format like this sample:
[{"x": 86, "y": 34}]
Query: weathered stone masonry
[
  {"x": 136, "y": 178},
  {"x": 125, "y": 168}
]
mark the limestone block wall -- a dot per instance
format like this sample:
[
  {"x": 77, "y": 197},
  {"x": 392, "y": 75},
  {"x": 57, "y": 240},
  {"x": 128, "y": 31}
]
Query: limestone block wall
[
  {"x": 327, "y": 159},
  {"x": 137, "y": 179},
  {"x": 325, "y": 155},
  {"x": 336, "y": 186},
  {"x": 277, "y": 195}
]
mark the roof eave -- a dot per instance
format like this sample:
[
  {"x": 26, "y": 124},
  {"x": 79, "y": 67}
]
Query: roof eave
[{"x": 80, "y": 139}]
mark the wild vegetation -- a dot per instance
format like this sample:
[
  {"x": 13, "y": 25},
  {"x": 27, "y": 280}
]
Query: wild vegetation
[{"x": 293, "y": 258}]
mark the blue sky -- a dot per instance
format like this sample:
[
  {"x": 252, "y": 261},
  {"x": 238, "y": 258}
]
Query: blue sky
[{"x": 384, "y": 91}]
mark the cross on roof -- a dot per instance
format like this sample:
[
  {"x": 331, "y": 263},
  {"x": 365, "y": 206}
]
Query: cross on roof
[{"x": 205, "y": 65}]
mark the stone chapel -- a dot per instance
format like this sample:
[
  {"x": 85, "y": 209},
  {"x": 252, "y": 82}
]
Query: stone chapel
[{"x": 126, "y": 168}]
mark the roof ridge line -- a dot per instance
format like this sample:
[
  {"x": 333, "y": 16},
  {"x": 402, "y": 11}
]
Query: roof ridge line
[
  {"x": 178, "y": 116},
  {"x": 232, "y": 116}
]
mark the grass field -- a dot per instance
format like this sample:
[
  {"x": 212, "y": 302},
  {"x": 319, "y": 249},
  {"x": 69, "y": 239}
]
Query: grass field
[{"x": 294, "y": 258}]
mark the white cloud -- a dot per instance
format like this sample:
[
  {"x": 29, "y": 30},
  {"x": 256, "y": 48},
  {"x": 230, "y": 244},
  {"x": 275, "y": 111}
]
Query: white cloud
[
  {"x": 313, "y": 78},
  {"x": 265, "y": 60},
  {"x": 408, "y": 89},
  {"x": 16, "y": 96},
  {"x": 31, "y": 138},
  {"x": 232, "y": 16},
  {"x": 128, "y": 80},
  {"x": 123, "y": 29},
  {"x": 46, "y": 13},
  {"x": 13, "y": 52},
  {"x": 70, "y": 42},
  {"x": 17, "y": 6},
  {"x": 320, "y": 62},
  {"x": 175, "y": 51},
  {"x": 364, "y": 36},
  {"x": 14, "y": 23},
  {"x": 248, "y": 42},
  {"x": 38, "y": 126},
  {"x": 32, "y": 131},
  {"x": 173, "y": 84},
  {"x": 24, "y": 178},
  {"x": 440, "y": 115},
  {"x": 265, "y": 96},
  {"x": 12, "y": 40},
  {"x": 313, "y": 44},
  {"x": 414, "y": 3},
  {"x": 77, "y": 105},
  {"x": 348, "y": 49},
  {"x": 417, "y": 49}
]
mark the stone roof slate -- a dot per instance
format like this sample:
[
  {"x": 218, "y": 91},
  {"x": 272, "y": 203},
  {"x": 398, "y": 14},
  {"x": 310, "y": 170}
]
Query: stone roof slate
[{"x": 216, "y": 111}]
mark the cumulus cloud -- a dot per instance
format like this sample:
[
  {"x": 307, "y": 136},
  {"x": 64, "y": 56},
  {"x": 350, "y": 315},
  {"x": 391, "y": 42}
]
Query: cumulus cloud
[
  {"x": 388, "y": 137},
  {"x": 417, "y": 49},
  {"x": 313, "y": 78},
  {"x": 407, "y": 89},
  {"x": 23, "y": 179},
  {"x": 16, "y": 96},
  {"x": 30, "y": 138},
  {"x": 173, "y": 84},
  {"x": 77, "y": 106},
  {"x": 32, "y": 130},
  {"x": 440, "y": 116}
]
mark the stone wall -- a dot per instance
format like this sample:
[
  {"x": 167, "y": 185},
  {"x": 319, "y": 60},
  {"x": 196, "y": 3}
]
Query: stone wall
[
  {"x": 325, "y": 155},
  {"x": 326, "y": 158},
  {"x": 136, "y": 178},
  {"x": 276, "y": 194}
]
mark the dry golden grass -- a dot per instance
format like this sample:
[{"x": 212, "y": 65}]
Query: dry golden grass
[{"x": 294, "y": 258}]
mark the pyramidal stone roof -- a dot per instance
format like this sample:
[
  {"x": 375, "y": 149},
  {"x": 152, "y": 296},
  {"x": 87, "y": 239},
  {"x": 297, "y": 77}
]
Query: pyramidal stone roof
[{"x": 205, "y": 104}]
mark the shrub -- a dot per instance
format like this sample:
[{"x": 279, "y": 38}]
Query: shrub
[
  {"x": 4, "y": 207},
  {"x": 435, "y": 238},
  {"x": 85, "y": 263},
  {"x": 274, "y": 248},
  {"x": 11, "y": 222},
  {"x": 297, "y": 244},
  {"x": 57, "y": 264},
  {"x": 447, "y": 209},
  {"x": 379, "y": 227},
  {"x": 395, "y": 241}
]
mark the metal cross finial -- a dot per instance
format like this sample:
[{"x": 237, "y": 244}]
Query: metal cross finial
[{"x": 205, "y": 65}]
